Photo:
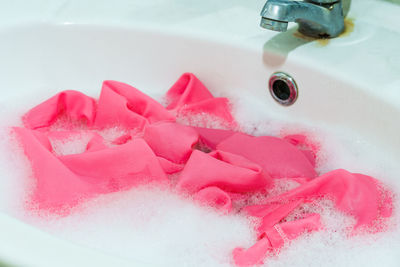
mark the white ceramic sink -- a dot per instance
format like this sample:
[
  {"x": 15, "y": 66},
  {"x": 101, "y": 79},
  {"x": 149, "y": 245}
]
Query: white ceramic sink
[{"x": 351, "y": 84}]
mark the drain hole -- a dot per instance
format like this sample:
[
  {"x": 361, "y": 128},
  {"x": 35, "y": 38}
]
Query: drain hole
[{"x": 281, "y": 90}]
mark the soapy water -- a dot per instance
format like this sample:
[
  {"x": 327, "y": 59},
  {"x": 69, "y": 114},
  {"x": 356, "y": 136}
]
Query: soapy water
[{"x": 159, "y": 226}]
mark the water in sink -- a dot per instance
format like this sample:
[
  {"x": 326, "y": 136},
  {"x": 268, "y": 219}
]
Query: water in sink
[{"x": 158, "y": 226}]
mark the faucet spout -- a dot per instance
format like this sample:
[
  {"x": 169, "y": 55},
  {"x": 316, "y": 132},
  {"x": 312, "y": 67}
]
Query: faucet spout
[
  {"x": 274, "y": 25},
  {"x": 316, "y": 18}
]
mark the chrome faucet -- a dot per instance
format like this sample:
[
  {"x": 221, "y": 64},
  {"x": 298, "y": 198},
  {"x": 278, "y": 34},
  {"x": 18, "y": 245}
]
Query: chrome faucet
[{"x": 316, "y": 18}]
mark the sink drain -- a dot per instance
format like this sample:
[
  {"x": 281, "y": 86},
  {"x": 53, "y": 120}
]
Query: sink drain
[{"x": 283, "y": 88}]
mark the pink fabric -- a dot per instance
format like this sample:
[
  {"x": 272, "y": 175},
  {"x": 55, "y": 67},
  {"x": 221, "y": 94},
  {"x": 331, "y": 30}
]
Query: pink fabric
[
  {"x": 212, "y": 137},
  {"x": 65, "y": 180},
  {"x": 123, "y": 105},
  {"x": 230, "y": 172},
  {"x": 356, "y": 194},
  {"x": 117, "y": 167},
  {"x": 74, "y": 104},
  {"x": 301, "y": 142},
  {"x": 56, "y": 185},
  {"x": 273, "y": 214},
  {"x": 214, "y": 197},
  {"x": 96, "y": 143},
  {"x": 219, "y": 168},
  {"x": 278, "y": 157},
  {"x": 163, "y": 136},
  {"x": 275, "y": 238},
  {"x": 169, "y": 167},
  {"x": 189, "y": 95}
]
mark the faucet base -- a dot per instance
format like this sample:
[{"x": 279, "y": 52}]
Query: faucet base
[{"x": 314, "y": 30}]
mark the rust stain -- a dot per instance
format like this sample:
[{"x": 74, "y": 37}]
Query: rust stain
[
  {"x": 348, "y": 28},
  {"x": 323, "y": 42},
  {"x": 299, "y": 35}
]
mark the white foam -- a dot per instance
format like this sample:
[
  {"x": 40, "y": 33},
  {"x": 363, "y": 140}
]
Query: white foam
[
  {"x": 202, "y": 120},
  {"x": 15, "y": 173},
  {"x": 155, "y": 226},
  {"x": 73, "y": 144},
  {"x": 158, "y": 226}
]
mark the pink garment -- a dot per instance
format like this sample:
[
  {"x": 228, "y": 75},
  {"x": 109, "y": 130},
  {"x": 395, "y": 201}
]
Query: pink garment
[
  {"x": 218, "y": 168},
  {"x": 118, "y": 167},
  {"x": 274, "y": 238},
  {"x": 278, "y": 157},
  {"x": 212, "y": 137},
  {"x": 74, "y": 104},
  {"x": 229, "y": 172},
  {"x": 64, "y": 181},
  {"x": 189, "y": 96},
  {"x": 163, "y": 136},
  {"x": 272, "y": 214},
  {"x": 123, "y": 105},
  {"x": 301, "y": 142},
  {"x": 169, "y": 167},
  {"x": 355, "y": 194},
  {"x": 56, "y": 185},
  {"x": 214, "y": 197}
]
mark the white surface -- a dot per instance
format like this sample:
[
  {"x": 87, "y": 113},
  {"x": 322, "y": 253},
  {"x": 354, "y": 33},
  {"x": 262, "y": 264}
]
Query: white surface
[
  {"x": 24, "y": 245},
  {"x": 375, "y": 37},
  {"x": 47, "y": 46}
]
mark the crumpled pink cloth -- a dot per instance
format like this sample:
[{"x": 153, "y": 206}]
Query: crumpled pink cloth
[
  {"x": 355, "y": 194},
  {"x": 163, "y": 136},
  {"x": 229, "y": 172},
  {"x": 275, "y": 238},
  {"x": 189, "y": 95},
  {"x": 278, "y": 157},
  {"x": 219, "y": 168}
]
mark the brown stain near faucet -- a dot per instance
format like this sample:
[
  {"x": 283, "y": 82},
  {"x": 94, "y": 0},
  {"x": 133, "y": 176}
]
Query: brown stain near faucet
[{"x": 348, "y": 28}]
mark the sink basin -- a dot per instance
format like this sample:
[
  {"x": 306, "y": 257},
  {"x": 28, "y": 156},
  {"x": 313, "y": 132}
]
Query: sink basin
[{"x": 348, "y": 86}]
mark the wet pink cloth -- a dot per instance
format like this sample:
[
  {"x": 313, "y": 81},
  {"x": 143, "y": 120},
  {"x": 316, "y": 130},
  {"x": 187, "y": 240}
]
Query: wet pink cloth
[
  {"x": 309, "y": 149},
  {"x": 356, "y": 194},
  {"x": 123, "y": 105},
  {"x": 218, "y": 168},
  {"x": 212, "y": 137},
  {"x": 65, "y": 180},
  {"x": 279, "y": 158},
  {"x": 169, "y": 167},
  {"x": 56, "y": 185},
  {"x": 189, "y": 96},
  {"x": 163, "y": 136},
  {"x": 229, "y": 172},
  {"x": 215, "y": 197},
  {"x": 72, "y": 103},
  {"x": 165, "y": 146},
  {"x": 275, "y": 238}
]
